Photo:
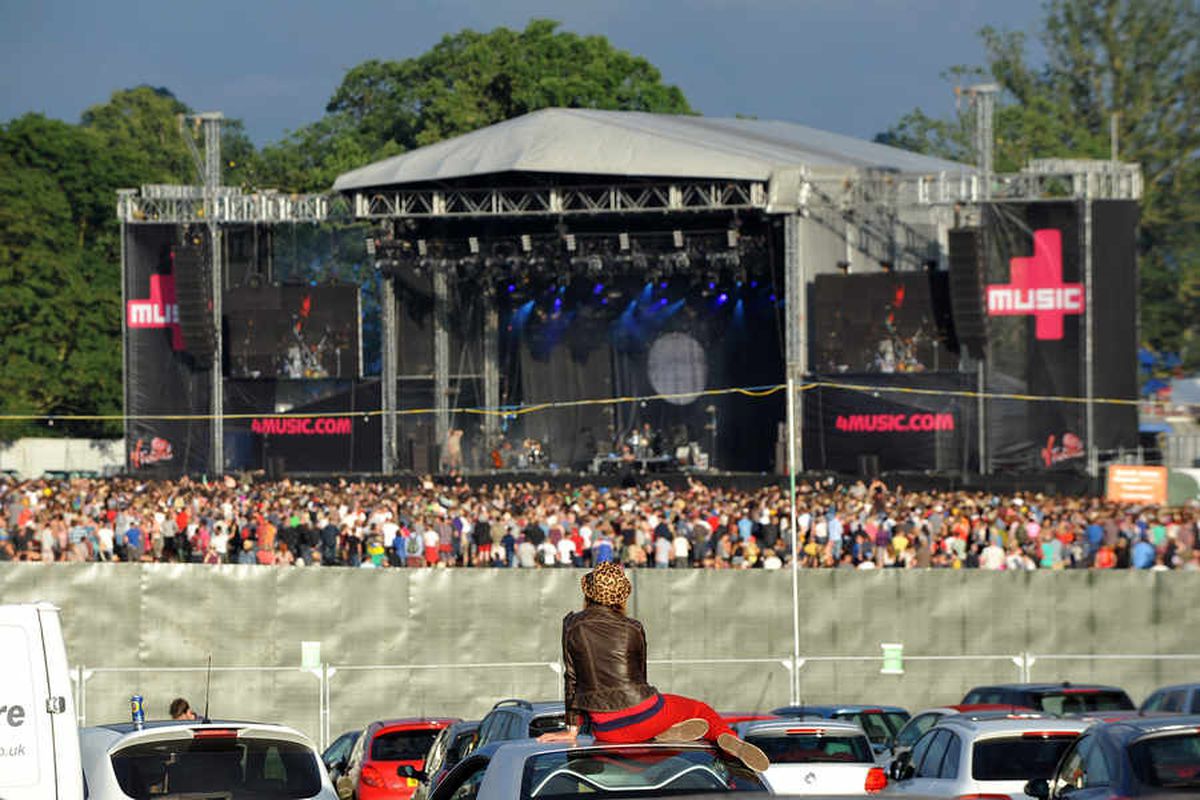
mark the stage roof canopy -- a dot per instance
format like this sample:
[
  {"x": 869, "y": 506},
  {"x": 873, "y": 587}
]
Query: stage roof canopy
[{"x": 630, "y": 143}]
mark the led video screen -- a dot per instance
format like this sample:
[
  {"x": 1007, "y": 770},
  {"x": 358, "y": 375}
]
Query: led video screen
[{"x": 293, "y": 332}]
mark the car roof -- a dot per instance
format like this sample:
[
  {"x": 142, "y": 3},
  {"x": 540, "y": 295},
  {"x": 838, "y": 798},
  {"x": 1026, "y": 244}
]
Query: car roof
[
  {"x": 537, "y": 707},
  {"x": 1012, "y": 724},
  {"x": 783, "y": 725},
  {"x": 413, "y": 722},
  {"x": 129, "y": 727},
  {"x": 1137, "y": 727},
  {"x": 845, "y": 708},
  {"x": 531, "y": 747},
  {"x": 121, "y": 733},
  {"x": 1049, "y": 687},
  {"x": 1176, "y": 687}
]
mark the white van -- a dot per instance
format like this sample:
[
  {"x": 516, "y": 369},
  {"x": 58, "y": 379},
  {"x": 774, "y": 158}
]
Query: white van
[{"x": 39, "y": 735}]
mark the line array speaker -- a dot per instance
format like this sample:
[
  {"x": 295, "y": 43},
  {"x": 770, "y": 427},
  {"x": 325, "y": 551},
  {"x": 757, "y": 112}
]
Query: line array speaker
[
  {"x": 967, "y": 290},
  {"x": 193, "y": 294}
]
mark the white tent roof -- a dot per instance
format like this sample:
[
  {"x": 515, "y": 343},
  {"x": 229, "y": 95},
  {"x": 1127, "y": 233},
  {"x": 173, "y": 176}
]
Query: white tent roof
[{"x": 630, "y": 143}]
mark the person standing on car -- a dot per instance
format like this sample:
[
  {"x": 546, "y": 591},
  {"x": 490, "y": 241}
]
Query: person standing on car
[{"x": 604, "y": 659}]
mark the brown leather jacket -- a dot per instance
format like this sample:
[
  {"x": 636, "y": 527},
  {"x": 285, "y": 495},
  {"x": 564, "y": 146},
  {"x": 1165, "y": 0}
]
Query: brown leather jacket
[{"x": 604, "y": 662}]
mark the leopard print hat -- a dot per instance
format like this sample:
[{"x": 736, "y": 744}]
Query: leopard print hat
[{"x": 606, "y": 585}]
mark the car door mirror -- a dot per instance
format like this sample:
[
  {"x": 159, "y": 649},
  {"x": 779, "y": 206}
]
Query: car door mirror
[
  {"x": 899, "y": 764},
  {"x": 1039, "y": 788},
  {"x": 409, "y": 771}
]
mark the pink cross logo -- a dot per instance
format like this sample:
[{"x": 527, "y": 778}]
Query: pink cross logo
[
  {"x": 1037, "y": 288},
  {"x": 158, "y": 311}
]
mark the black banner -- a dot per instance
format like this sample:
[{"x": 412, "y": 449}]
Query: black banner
[
  {"x": 161, "y": 378},
  {"x": 1036, "y": 301},
  {"x": 903, "y": 423},
  {"x": 297, "y": 332}
]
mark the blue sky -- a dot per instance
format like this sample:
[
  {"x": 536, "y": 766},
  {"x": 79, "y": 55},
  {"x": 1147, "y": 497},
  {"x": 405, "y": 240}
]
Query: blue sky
[{"x": 851, "y": 66}]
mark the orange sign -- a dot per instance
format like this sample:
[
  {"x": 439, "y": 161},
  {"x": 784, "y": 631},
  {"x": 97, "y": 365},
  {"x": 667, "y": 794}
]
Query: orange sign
[{"x": 1131, "y": 484}]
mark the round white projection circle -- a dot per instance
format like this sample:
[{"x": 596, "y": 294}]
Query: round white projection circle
[{"x": 677, "y": 367}]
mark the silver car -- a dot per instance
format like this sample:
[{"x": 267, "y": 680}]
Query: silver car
[
  {"x": 228, "y": 760},
  {"x": 818, "y": 757},
  {"x": 994, "y": 757},
  {"x": 528, "y": 769}
]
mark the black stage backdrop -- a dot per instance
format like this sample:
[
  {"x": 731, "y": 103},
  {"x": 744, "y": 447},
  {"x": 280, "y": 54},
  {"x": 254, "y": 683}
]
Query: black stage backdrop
[
  {"x": 634, "y": 339},
  {"x": 1047, "y": 357},
  {"x": 162, "y": 379},
  {"x": 925, "y": 428}
]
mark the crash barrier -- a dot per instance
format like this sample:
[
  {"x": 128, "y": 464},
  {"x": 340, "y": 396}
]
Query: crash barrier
[{"x": 452, "y": 642}]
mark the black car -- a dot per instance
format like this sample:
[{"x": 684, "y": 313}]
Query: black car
[
  {"x": 1054, "y": 698},
  {"x": 447, "y": 750},
  {"x": 338, "y": 752},
  {"x": 520, "y": 719},
  {"x": 1135, "y": 757}
]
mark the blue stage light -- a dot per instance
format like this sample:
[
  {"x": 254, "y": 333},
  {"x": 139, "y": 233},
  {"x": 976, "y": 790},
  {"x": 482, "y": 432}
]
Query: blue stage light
[
  {"x": 557, "y": 302},
  {"x": 598, "y": 288},
  {"x": 712, "y": 285},
  {"x": 512, "y": 287},
  {"x": 773, "y": 297},
  {"x": 722, "y": 299},
  {"x": 662, "y": 285},
  {"x": 753, "y": 284}
]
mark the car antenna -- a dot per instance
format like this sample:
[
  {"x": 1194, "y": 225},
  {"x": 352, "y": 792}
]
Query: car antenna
[{"x": 207, "y": 685}]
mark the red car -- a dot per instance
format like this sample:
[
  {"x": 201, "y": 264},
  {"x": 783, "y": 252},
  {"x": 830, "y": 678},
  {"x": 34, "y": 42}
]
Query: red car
[{"x": 376, "y": 767}]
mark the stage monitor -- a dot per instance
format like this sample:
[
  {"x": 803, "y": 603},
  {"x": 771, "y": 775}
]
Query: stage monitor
[
  {"x": 293, "y": 332},
  {"x": 881, "y": 322}
]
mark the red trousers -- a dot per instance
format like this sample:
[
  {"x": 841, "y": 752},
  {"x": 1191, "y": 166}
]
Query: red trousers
[{"x": 648, "y": 719}]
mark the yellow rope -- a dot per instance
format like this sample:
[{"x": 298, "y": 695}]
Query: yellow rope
[{"x": 517, "y": 411}]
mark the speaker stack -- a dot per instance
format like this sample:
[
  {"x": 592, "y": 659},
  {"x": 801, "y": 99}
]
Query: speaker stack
[
  {"x": 967, "y": 290},
  {"x": 193, "y": 296}
]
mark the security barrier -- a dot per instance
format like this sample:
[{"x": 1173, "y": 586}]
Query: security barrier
[{"x": 452, "y": 642}]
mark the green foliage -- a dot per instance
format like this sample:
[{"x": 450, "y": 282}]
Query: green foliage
[
  {"x": 466, "y": 81},
  {"x": 1139, "y": 59}
]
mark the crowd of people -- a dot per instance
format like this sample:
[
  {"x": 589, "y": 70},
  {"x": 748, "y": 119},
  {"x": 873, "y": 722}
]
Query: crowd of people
[{"x": 432, "y": 524}]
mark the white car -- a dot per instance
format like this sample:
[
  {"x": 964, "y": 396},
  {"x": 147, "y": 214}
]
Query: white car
[
  {"x": 229, "y": 760},
  {"x": 816, "y": 757},
  {"x": 995, "y": 757}
]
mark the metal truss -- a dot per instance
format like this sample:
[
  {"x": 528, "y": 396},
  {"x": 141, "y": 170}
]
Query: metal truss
[
  {"x": 612, "y": 199},
  {"x": 166, "y": 204},
  {"x": 1042, "y": 180}
]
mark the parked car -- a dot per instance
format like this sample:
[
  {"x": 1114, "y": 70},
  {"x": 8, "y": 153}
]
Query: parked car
[
  {"x": 183, "y": 758},
  {"x": 984, "y": 758},
  {"x": 734, "y": 717},
  {"x": 337, "y": 755},
  {"x": 451, "y": 744},
  {"x": 520, "y": 719},
  {"x": 529, "y": 769},
  {"x": 829, "y": 757},
  {"x": 881, "y": 723},
  {"x": 387, "y": 757},
  {"x": 1146, "y": 757},
  {"x": 924, "y": 720},
  {"x": 1183, "y": 698},
  {"x": 1055, "y": 698}
]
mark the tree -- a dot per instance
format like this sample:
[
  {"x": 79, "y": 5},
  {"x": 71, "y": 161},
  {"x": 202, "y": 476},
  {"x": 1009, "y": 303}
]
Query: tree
[
  {"x": 1140, "y": 60},
  {"x": 467, "y": 81}
]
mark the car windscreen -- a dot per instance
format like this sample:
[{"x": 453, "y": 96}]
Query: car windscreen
[
  {"x": 402, "y": 745},
  {"x": 1082, "y": 700},
  {"x": 1168, "y": 762},
  {"x": 880, "y": 727},
  {"x": 633, "y": 772},
  {"x": 810, "y": 748},
  {"x": 239, "y": 768},
  {"x": 1019, "y": 758},
  {"x": 549, "y": 724}
]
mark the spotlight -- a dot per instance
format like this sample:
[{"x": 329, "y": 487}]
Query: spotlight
[
  {"x": 473, "y": 243},
  {"x": 844, "y": 266},
  {"x": 423, "y": 248},
  {"x": 731, "y": 238},
  {"x": 677, "y": 237},
  {"x": 569, "y": 241},
  {"x": 526, "y": 242},
  {"x": 371, "y": 247},
  {"x": 623, "y": 241}
]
